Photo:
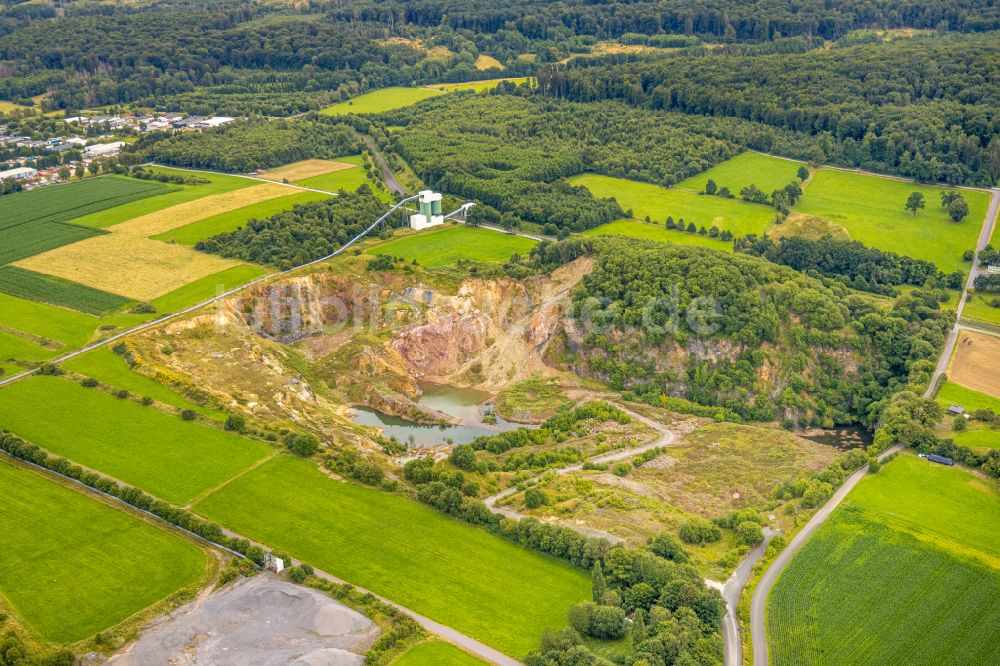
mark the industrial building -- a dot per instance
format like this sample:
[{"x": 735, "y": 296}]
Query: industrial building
[
  {"x": 20, "y": 173},
  {"x": 430, "y": 215}
]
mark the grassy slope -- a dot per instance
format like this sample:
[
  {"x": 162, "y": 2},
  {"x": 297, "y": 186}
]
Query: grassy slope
[
  {"x": 69, "y": 327},
  {"x": 436, "y": 653},
  {"x": 74, "y": 566},
  {"x": 766, "y": 172},
  {"x": 16, "y": 347},
  {"x": 106, "y": 366},
  {"x": 207, "y": 287},
  {"x": 189, "y": 234},
  {"x": 657, "y": 232},
  {"x": 456, "y": 574},
  {"x": 871, "y": 209},
  {"x": 446, "y": 246},
  {"x": 477, "y": 86},
  {"x": 378, "y": 101},
  {"x": 905, "y": 572},
  {"x": 657, "y": 202},
  {"x": 173, "y": 459}
]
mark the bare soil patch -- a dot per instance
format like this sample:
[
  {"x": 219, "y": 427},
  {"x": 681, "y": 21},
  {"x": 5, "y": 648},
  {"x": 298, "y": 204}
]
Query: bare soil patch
[
  {"x": 975, "y": 363},
  {"x": 808, "y": 226}
]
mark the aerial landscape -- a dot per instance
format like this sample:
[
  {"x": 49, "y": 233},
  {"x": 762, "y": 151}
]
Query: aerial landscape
[{"x": 573, "y": 333}]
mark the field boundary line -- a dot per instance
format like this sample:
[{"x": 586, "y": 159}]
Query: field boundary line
[{"x": 219, "y": 486}]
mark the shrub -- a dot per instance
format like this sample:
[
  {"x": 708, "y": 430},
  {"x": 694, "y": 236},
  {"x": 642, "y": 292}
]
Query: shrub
[
  {"x": 236, "y": 422},
  {"x": 463, "y": 456},
  {"x": 668, "y": 547},
  {"x": 122, "y": 393},
  {"x": 147, "y": 401},
  {"x": 297, "y": 574},
  {"x": 89, "y": 382},
  {"x": 188, "y": 415},
  {"x": 367, "y": 471},
  {"x": 535, "y": 498},
  {"x": 748, "y": 533},
  {"x": 699, "y": 531},
  {"x": 303, "y": 446}
]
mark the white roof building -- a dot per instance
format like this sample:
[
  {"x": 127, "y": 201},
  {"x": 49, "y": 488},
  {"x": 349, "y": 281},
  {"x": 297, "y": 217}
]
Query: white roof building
[
  {"x": 20, "y": 173},
  {"x": 214, "y": 121},
  {"x": 104, "y": 149}
]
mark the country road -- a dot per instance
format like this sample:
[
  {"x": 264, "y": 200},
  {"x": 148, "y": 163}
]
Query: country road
[
  {"x": 758, "y": 604},
  {"x": 383, "y": 164}
]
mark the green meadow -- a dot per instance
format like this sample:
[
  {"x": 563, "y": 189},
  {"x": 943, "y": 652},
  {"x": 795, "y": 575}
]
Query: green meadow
[
  {"x": 189, "y": 234},
  {"x": 478, "y": 86},
  {"x": 978, "y": 308},
  {"x": 386, "y": 99},
  {"x": 456, "y": 574},
  {"x": 204, "y": 288},
  {"x": 871, "y": 209},
  {"x": 906, "y": 571},
  {"x": 348, "y": 180},
  {"x": 74, "y": 565},
  {"x": 446, "y": 246},
  {"x": 20, "y": 348},
  {"x": 951, "y": 393},
  {"x": 161, "y": 453},
  {"x": 978, "y": 438},
  {"x": 739, "y": 217},
  {"x": 68, "y": 327},
  {"x": 766, "y": 172},
  {"x": 436, "y": 653},
  {"x": 657, "y": 232}
]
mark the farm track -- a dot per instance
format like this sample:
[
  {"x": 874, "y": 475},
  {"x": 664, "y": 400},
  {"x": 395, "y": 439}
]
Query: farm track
[
  {"x": 383, "y": 164},
  {"x": 758, "y": 604}
]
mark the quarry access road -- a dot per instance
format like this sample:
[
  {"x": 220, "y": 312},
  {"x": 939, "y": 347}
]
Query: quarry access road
[
  {"x": 758, "y": 604},
  {"x": 383, "y": 164}
]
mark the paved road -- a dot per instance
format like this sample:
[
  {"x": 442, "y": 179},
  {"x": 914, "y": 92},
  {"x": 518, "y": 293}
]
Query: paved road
[
  {"x": 758, "y": 603},
  {"x": 974, "y": 271},
  {"x": 383, "y": 164}
]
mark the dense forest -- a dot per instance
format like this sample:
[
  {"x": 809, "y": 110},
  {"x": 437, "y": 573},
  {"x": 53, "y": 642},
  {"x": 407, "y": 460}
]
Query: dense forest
[{"x": 756, "y": 340}]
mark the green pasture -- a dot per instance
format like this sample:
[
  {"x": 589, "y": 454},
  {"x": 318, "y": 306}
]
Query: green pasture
[
  {"x": 220, "y": 183},
  {"x": 189, "y": 234},
  {"x": 161, "y": 453},
  {"x": 445, "y": 246},
  {"x": 657, "y": 232},
  {"x": 109, "y": 368},
  {"x": 478, "y": 86},
  {"x": 906, "y": 571},
  {"x": 978, "y": 437},
  {"x": 74, "y": 565},
  {"x": 871, "y": 209},
  {"x": 436, "y": 653},
  {"x": 33, "y": 286},
  {"x": 69, "y": 327},
  {"x": 464, "y": 577},
  {"x": 386, "y": 99},
  {"x": 977, "y": 308},
  {"x": 765, "y": 171},
  {"x": 20, "y": 348},
  {"x": 204, "y": 288},
  {"x": 348, "y": 180},
  {"x": 739, "y": 217},
  {"x": 951, "y": 393}
]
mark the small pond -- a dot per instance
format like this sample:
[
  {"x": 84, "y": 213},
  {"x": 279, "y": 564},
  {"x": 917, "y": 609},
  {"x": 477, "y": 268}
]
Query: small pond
[
  {"x": 461, "y": 403},
  {"x": 844, "y": 438}
]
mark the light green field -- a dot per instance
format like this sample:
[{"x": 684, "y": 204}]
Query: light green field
[
  {"x": 189, "y": 234},
  {"x": 211, "y": 285},
  {"x": 220, "y": 184},
  {"x": 657, "y": 232},
  {"x": 739, "y": 217},
  {"x": 164, "y": 455},
  {"x": 386, "y": 99},
  {"x": 348, "y": 180},
  {"x": 951, "y": 393},
  {"x": 871, "y": 209},
  {"x": 978, "y": 309},
  {"x": 766, "y": 172},
  {"x": 436, "y": 653},
  {"x": 905, "y": 572},
  {"x": 456, "y": 574},
  {"x": 110, "y": 368},
  {"x": 69, "y": 327},
  {"x": 477, "y": 86},
  {"x": 446, "y": 246},
  {"x": 16, "y": 347},
  {"x": 74, "y": 566},
  {"x": 978, "y": 438}
]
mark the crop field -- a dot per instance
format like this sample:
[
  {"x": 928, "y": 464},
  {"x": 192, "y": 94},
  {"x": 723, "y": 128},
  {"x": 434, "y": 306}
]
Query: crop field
[
  {"x": 978, "y": 308},
  {"x": 974, "y": 364},
  {"x": 951, "y": 393},
  {"x": 657, "y": 232},
  {"x": 204, "y": 288},
  {"x": 436, "y": 653},
  {"x": 348, "y": 179},
  {"x": 304, "y": 169},
  {"x": 74, "y": 566},
  {"x": 657, "y": 202},
  {"x": 107, "y": 367},
  {"x": 65, "y": 327},
  {"x": 60, "y": 203},
  {"x": 765, "y": 171},
  {"x": 386, "y": 99},
  {"x": 446, "y": 246},
  {"x": 464, "y": 577},
  {"x": 177, "y": 216},
  {"x": 888, "y": 580},
  {"x": 55, "y": 291},
  {"x": 219, "y": 184},
  {"x": 161, "y": 453},
  {"x": 477, "y": 86},
  {"x": 871, "y": 209},
  {"x": 139, "y": 268},
  {"x": 807, "y": 226},
  {"x": 189, "y": 234}
]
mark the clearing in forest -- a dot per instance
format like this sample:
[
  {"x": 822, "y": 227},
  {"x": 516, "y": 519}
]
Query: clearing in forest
[
  {"x": 446, "y": 246},
  {"x": 975, "y": 362},
  {"x": 304, "y": 169},
  {"x": 484, "y": 61},
  {"x": 906, "y": 571},
  {"x": 73, "y": 565},
  {"x": 871, "y": 209},
  {"x": 477, "y": 86},
  {"x": 767, "y": 172},
  {"x": 386, "y": 99},
  {"x": 173, "y": 459},
  {"x": 456, "y": 574},
  {"x": 136, "y": 267}
]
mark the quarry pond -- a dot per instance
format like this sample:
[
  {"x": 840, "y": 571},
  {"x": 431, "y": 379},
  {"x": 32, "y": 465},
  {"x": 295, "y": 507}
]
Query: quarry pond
[{"x": 464, "y": 404}]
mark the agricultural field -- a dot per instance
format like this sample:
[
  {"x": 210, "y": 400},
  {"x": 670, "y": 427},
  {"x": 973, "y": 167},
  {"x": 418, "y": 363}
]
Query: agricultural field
[
  {"x": 982, "y": 439},
  {"x": 446, "y": 246},
  {"x": 871, "y": 209},
  {"x": 487, "y": 588},
  {"x": 974, "y": 363},
  {"x": 887, "y": 580},
  {"x": 304, "y": 169},
  {"x": 190, "y": 234},
  {"x": 348, "y": 179},
  {"x": 477, "y": 86},
  {"x": 66, "y": 328},
  {"x": 484, "y": 61},
  {"x": 437, "y": 653},
  {"x": 378, "y": 101},
  {"x": 951, "y": 393},
  {"x": 739, "y": 217},
  {"x": 161, "y": 453},
  {"x": 74, "y": 565},
  {"x": 978, "y": 308},
  {"x": 135, "y": 267},
  {"x": 767, "y": 172},
  {"x": 22, "y": 349},
  {"x": 658, "y": 233},
  {"x": 55, "y": 291},
  {"x": 202, "y": 289}
]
